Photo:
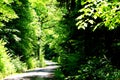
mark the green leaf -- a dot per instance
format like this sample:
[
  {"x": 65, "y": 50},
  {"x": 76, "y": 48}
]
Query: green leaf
[
  {"x": 8, "y": 1},
  {"x": 1, "y": 25},
  {"x": 91, "y": 21}
]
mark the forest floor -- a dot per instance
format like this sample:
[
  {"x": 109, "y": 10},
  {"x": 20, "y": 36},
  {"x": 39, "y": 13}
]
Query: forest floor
[{"x": 45, "y": 73}]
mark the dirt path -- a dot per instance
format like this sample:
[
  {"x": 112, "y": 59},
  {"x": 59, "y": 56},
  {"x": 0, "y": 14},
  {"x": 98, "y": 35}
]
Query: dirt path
[{"x": 36, "y": 74}]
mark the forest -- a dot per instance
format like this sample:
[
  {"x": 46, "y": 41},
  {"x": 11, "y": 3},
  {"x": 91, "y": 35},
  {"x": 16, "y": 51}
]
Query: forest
[{"x": 83, "y": 36}]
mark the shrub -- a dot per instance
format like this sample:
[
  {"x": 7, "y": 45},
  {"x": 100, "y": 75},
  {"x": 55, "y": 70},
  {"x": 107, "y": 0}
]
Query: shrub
[
  {"x": 59, "y": 75},
  {"x": 97, "y": 68},
  {"x": 6, "y": 67},
  {"x": 19, "y": 65},
  {"x": 69, "y": 65},
  {"x": 93, "y": 68},
  {"x": 31, "y": 62}
]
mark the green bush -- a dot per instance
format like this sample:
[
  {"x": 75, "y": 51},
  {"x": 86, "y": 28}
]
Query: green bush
[
  {"x": 97, "y": 68},
  {"x": 59, "y": 75},
  {"x": 32, "y": 62},
  {"x": 69, "y": 65},
  {"x": 93, "y": 68},
  {"x": 19, "y": 65},
  {"x": 6, "y": 67}
]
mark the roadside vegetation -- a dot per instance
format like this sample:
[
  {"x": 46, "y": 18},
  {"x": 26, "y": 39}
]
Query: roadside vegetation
[{"x": 81, "y": 35}]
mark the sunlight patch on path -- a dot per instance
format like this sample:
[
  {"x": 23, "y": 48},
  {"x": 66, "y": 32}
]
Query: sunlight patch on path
[{"x": 45, "y": 72}]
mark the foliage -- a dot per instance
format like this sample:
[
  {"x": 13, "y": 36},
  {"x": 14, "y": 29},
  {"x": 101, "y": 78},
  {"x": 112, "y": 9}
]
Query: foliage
[
  {"x": 49, "y": 23},
  {"x": 82, "y": 35},
  {"x": 32, "y": 62},
  {"x": 68, "y": 63},
  {"x": 28, "y": 30},
  {"x": 82, "y": 47},
  {"x": 41, "y": 61},
  {"x": 97, "y": 69},
  {"x": 7, "y": 13},
  {"x": 19, "y": 65},
  {"x": 59, "y": 75},
  {"x": 20, "y": 29},
  {"x": 5, "y": 61},
  {"x": 99, "y": 13},
  {"x": 26, "y": 42}
]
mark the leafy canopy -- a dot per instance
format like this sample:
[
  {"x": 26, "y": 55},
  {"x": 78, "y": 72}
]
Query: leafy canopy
[
  {"x": 6, "y": 12},
  {"x": 97, "y": 13}
]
